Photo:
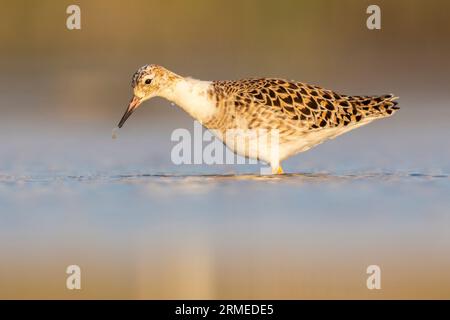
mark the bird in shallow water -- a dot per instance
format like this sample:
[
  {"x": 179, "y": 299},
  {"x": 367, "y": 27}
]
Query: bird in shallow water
[{"x": 301, "y": 115}]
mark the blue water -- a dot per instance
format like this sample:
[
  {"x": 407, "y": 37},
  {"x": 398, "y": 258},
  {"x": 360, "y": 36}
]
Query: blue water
[{"x": 141, "y": 227}]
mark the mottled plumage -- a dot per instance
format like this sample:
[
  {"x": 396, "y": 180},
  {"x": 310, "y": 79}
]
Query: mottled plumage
[
  {"x": 308, "y": 107},
  {"x": 302, "y": 115}
]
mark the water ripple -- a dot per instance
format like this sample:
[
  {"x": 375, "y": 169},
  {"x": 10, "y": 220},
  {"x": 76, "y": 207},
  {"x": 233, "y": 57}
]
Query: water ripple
[{"x": 289, "y": 177}]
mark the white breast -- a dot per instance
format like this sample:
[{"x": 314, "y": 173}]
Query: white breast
[{"x": 192, "y": 96}]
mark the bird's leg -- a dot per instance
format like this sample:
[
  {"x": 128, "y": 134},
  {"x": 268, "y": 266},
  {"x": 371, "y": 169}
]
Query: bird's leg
[{"x": 276, "y": 168}]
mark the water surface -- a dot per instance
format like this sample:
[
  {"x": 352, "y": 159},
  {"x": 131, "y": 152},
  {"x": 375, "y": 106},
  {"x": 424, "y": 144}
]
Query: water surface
[{"x": 308, "y": 235}]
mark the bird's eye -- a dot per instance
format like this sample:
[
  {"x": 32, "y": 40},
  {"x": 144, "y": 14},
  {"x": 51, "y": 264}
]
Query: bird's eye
[{"x": 148, "y": 81}]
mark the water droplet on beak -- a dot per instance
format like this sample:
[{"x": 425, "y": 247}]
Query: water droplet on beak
[{"x": 114, "y": 132}]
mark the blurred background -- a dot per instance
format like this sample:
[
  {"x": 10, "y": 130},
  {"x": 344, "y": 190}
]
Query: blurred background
[{"x": 141, "y": 227}]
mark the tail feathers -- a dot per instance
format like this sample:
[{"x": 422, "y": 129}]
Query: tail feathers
[{"x": 379, "y": 106}]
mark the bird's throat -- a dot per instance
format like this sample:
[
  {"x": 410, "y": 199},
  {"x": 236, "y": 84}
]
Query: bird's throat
[{"x": 193, "y": 97}]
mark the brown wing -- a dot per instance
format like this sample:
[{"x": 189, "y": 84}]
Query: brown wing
[{"x": 312, "y": 106}]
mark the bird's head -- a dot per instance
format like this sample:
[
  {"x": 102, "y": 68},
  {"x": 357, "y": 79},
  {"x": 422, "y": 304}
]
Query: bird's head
[{"x": 148, "y": 81}]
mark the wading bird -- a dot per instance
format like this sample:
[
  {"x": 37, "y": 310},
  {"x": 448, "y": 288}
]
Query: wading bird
[{"x": 302, "y": 115}]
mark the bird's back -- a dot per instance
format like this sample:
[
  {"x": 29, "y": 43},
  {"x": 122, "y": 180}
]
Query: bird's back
[
  {"x": 308, "y": 107},
  {"x": 304, "y": 115}
]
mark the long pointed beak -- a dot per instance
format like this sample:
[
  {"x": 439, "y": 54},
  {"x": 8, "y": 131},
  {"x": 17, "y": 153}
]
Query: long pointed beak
[{"x": 134, "y": 103}]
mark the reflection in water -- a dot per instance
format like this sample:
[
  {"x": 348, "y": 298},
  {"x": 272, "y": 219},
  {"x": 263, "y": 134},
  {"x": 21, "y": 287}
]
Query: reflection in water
[{"x": 185, "y": 270}]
